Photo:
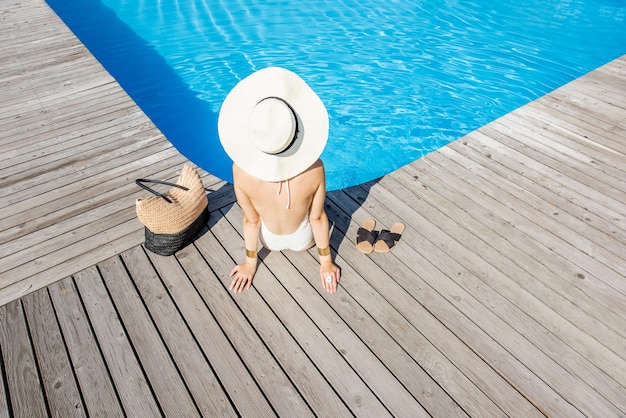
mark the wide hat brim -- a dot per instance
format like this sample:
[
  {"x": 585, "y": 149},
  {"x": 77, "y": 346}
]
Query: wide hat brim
[{"x": 233, "y": 124}]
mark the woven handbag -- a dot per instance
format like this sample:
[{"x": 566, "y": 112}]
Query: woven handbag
[{"x": 173, "y": 219}]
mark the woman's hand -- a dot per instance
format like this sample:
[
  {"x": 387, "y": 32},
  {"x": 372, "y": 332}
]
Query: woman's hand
[
  {"x": 330, "y": 270},
  {"x": 243, "y": 274}
]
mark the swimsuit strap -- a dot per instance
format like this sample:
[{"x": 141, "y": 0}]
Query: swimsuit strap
[{"x": 280, "y": 183}]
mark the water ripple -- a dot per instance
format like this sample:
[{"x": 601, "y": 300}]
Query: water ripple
[{"x": 399, "y": 78}]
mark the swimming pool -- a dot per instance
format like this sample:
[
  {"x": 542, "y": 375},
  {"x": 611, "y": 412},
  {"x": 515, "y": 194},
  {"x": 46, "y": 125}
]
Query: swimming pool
[{"x": 399, "y": 78}]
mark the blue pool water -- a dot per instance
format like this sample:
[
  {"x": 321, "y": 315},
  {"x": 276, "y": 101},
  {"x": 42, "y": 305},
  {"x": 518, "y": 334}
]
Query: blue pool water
[{"x": 400, "y": 78}]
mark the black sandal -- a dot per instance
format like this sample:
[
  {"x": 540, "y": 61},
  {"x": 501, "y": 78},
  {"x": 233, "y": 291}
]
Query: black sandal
[
  {"x": 388, "y": 238},
  {"x": 366, "y": 237}
]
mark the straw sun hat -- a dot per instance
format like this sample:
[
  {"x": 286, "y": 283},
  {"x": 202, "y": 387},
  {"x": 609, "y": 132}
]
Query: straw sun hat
[{"x": 273, "y": 125}]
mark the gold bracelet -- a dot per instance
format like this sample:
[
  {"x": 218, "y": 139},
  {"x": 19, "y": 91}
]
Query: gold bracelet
[
  {"x": 250, "y": 253},
  {"x": 323, "y": 251}
]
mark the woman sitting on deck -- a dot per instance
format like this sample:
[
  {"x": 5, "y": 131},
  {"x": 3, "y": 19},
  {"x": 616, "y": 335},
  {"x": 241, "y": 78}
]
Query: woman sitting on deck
[{"x": 274, "y": 128}]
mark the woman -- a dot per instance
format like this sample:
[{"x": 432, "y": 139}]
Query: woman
[{"x": 274, "y": 128}]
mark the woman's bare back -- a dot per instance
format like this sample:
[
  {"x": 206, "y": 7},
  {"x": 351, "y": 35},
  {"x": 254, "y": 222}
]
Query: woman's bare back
[{"x": 283, "y": 205}]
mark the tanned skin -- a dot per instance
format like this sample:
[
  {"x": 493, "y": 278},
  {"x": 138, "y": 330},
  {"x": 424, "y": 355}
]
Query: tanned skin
[{"x": 258, "y": 200}]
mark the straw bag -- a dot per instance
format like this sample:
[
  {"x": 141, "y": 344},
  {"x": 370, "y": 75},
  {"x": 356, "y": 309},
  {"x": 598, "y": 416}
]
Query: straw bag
[{"x": 173, "y": 219}]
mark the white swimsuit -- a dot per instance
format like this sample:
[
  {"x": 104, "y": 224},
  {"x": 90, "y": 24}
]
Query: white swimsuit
[{"x": 299, "y": 240}]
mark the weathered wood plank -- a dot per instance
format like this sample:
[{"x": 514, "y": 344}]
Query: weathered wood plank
[
  {"x": 5, "y": 406},
  {"x": 602, "y": 165},
  {"x": 608, "y": 140},
  {"x": 554, "y": 204},
  {"x": 54, "y": 258},
  {"x": 41, "y": 182},
  {"x": 576, "y": 110},
  {"x": 53, "y": 240},
  {"x": 20, "y": 146},
  {"x": 576, "y": 192},
  {"x": 126, "y": 372},
  {"x": 115, "y": 195},
  {"x": 350, "y": 387},
  {"x": 604, "y": 81},
  {"x": 605, "y": 243},
  {"x": 59, "y": 242},
  {"x": 156, "y": 362},
  {"x": 66, "y": 201},
  {"x": 613, "y": 97},
  {"x": 69, "y": 264},
  {"x": 416, "y": 297},
  {"x": 602, "y": 114},
  {"x": 509, "y": 342},
  {"x": 231, "y": 371},
  {"x": 199, "y": 377},
  {"x": 318, "y": 393},
  {"x": 591, "y": 314},
  {"x": 563, "y": 268},
  {"x": 373, "y": 372},
  {"x": 92, "y": 374},
  {"x": 382, "y": 327},
  {"x": 124, "y": 160},
  {"x": 47, "y": 134},
  {"x": 60, "y": 388},
  {"x": 64, "y": 96},
  {"x": 20, "y": 365},
  {"x": 554, "y": 149},
  {"x": 607, "y": 362},
  {"x": 109, "y": 196},
  {"x": 589, "y": 258},
  {"x": 30, "y": 129},
  {"x": 272, "y": 379}
]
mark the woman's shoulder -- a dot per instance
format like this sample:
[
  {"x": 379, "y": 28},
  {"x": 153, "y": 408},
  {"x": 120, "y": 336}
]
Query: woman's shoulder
[
  {"x": 244, "y": 181},
  {"x": 311, "y": 179},
  {"x": 316, "y": 168},
  {"x": 313, "y": 174}
]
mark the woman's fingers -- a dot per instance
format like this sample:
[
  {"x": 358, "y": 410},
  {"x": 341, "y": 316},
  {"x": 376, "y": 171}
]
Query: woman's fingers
[
  {"x": 330, "y": 275},
  {"x": 329, "y": 282},
  {"x": 242, "y": 279},
  {"x": 240, "y": 283}
]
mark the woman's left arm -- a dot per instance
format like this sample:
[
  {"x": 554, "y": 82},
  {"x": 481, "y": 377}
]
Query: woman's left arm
[{"x": 321, "y": 235}]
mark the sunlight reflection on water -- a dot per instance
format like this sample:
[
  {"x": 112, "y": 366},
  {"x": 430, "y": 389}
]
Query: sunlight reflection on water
[{"x": 399, "y": 80}]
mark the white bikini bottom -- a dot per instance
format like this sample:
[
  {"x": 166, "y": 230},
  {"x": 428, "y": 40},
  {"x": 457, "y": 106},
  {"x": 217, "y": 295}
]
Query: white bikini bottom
[{"x": 299, "y": 240}]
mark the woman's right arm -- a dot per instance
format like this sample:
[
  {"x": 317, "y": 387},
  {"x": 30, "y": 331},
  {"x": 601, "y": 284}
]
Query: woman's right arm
[{"x": 243, "y": 273}]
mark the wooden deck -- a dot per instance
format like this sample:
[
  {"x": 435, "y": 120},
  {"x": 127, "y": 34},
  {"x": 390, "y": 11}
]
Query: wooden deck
[{"x": 505, "y": 296}]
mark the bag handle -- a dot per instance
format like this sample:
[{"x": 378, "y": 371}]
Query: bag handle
[{"x": 140, "y": 183}]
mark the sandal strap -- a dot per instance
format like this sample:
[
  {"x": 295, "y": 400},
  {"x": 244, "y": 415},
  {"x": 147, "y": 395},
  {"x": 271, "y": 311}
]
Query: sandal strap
[
  {"x": 389, "y": 237},
  {"x": 366, "y": 235}
]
